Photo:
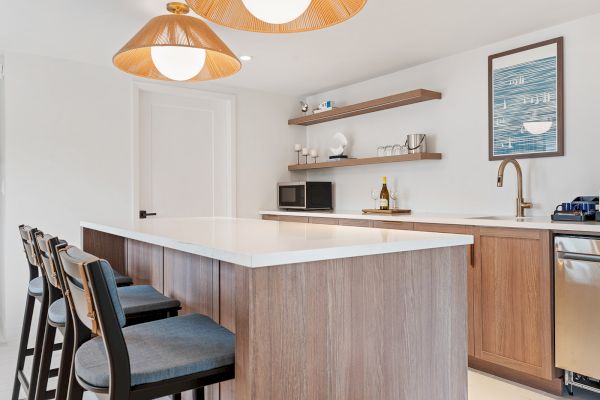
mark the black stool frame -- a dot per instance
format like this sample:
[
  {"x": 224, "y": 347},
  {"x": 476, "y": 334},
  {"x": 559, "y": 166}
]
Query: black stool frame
[
  {"x": 21, "y": 381},
  {"x": 118, "y": 357}
]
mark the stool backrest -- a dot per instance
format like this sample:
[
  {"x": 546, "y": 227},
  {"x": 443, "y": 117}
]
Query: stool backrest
[
  {"x": 45, "y": 255},
  {"x": 28, "y": 238},
  {"x": 80, "y": 268}
]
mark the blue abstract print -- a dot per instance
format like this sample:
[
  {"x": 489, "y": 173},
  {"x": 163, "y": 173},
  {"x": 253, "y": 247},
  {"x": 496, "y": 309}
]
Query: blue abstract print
[{"x": 525, "y": 108}]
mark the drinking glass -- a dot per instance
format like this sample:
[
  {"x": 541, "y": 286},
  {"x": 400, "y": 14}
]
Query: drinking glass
[
  {"x": 394, "y": 197},
  {"x": 375, "y": 196}
]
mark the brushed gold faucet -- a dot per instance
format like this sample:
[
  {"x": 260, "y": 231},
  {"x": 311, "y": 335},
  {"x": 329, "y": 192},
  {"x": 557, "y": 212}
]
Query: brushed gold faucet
[{"x": 521, "y": 203}]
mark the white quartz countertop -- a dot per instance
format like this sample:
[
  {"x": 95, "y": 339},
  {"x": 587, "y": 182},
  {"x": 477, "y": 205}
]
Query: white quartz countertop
[
  {"x": 258, "y": 243},
  {"x": 456, "y": 219}
]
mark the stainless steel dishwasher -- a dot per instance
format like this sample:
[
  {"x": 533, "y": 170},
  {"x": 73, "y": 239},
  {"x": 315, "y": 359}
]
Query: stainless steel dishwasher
[{"x": 577, "y": 299}]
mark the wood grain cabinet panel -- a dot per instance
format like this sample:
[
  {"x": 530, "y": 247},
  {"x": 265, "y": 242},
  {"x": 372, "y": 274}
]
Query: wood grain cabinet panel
[
  {"x": 513, "y": 300},
  {"x": 109, "y": 247},
  {"x": 270, "y": 217},
  {"x": 191, "y": 279},
  {"x": 407, "y": 226},
  {"x": 324, "y": 221},
  {"x": 290, "y": 218},
  {"x": 462, "y": 230},
  {"x": 145, "y": 264},
  {"x": 356, "y": 222}
]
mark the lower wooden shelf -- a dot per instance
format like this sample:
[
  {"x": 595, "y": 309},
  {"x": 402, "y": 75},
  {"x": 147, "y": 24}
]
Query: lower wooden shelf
[{"x": 366, "y": 161}]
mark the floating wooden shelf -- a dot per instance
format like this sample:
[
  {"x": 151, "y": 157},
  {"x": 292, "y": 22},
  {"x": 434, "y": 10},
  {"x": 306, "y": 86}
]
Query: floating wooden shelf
[
  {"x": 384, "y": 103},
  {"x": 366, "y": 161}
]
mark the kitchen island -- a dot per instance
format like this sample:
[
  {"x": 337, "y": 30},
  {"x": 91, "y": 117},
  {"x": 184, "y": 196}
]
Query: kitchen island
[{"x": 319, "y": 312}]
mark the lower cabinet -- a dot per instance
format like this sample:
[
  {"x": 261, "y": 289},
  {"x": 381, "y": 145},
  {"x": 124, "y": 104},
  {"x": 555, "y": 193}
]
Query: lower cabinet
[
  {"x": 513, "y": 306},
  {"x": 510, "y": 285}
]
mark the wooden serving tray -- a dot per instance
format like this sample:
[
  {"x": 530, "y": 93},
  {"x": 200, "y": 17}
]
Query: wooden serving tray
[{"x": 391, "y": 211}]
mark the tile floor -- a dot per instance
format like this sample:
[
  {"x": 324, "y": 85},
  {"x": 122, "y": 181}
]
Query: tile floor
[{"x": 481, "y": 386}]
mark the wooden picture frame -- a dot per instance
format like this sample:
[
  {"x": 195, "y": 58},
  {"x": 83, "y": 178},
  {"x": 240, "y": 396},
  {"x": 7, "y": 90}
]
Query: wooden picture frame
[{"x": 526, "y": 101}]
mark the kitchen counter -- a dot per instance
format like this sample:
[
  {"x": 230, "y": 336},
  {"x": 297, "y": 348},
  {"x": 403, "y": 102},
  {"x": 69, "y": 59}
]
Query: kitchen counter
[
  {"x": 454, "y": 219},
  {"x": 256, "y": 243},
  {"x": 372, "y": 307}
]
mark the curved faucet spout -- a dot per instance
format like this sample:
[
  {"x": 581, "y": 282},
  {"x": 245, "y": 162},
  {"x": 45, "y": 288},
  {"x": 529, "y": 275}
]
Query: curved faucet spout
[{"x": 521, "y": 203}]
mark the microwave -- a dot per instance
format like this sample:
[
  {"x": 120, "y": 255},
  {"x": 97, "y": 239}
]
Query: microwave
[{"x": 305, "y": 195}]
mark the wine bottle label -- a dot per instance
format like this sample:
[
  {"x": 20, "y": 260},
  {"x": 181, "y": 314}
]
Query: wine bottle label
[{"x": 383, "y": 203}]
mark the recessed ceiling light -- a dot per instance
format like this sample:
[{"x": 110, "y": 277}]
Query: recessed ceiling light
[{"x": 246, "y": 58}]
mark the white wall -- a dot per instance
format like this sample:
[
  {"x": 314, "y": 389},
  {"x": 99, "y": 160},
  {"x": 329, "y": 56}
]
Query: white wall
[
  {"x": 2, "y": 153},
  {"x": 68, "y": 155},
  {"x": 465, "y": 181}
]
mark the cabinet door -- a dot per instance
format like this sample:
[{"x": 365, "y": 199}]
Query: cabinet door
[
  {"x": 323, "y": 221},
  {"x": 406, "y": 226},
  {"x": 513, "y": 300},
  {"x": 289, "y": 218},
  {"x": 365, "y": 223},
  {"x": 464, "y": 230},
  {"x": 269, "y": 217}
]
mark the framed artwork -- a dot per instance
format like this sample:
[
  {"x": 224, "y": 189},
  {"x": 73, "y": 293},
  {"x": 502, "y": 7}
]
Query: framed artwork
[{"x": 526, "y": 102}]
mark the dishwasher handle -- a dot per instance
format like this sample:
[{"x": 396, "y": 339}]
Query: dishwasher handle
[{"x": 578, "y": 256}]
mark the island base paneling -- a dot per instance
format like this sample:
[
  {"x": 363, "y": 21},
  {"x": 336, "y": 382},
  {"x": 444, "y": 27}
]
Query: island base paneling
[
  {"x": 386, "y": 327},
  {"x": 376, "y": 327}
]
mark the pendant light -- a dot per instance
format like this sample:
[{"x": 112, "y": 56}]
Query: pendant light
[
  {"x": 177, "y": 47},
  {"x": 277, "y": 16}
]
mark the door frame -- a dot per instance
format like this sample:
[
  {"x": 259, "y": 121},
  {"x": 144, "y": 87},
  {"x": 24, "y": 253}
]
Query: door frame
[{"x": 137, "y": 89}]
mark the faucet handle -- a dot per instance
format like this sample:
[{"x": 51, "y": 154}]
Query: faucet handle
[{"x": 526, "y": 204}]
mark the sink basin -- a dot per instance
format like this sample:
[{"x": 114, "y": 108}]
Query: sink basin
[{"x": 497, "y": 218}]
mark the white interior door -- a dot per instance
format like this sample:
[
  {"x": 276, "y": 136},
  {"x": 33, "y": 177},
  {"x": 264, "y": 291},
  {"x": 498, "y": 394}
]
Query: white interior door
[{"x": 185, "y": 154}]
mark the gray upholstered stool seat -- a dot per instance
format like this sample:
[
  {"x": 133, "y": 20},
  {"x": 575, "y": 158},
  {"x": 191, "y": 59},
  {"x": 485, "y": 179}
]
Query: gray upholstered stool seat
[
  {"x": 57, "y": 313},
  {"x": 134, "y": 299},
  {"x": 161, "y": 350},
  {"x": 143, "y": 298},
  {"x": 122, "y": 279},
  {"x": 36, "y": 287}
]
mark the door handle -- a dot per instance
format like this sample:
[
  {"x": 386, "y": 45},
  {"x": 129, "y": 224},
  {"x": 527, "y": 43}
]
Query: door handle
[{"x": 144, "y": 214}]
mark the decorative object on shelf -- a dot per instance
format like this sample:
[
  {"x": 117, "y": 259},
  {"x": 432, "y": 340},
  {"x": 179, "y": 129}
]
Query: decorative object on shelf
[
  {"x": 526, "y": 101},
  {"x": 391, "y": 211},
  {"x": 351, "y": 162},
  {"x": 314, "y": 155},
  {"x": 177, "y": 47},
  {"x": 305, "y": 154},
  {"x": 303, "y": 107},
  {"x": 416, "y": 143},
  {"x": 339, "y": 142},
  {"x": 324, "y": 106},
  {"x": 298, "y": 149},
  {"x": 381, "y": 151},
  {"x": 384, "y": 103},
  {"x": 277, "y": 16}
]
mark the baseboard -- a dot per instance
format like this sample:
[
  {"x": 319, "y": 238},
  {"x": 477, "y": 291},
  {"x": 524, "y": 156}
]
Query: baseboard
[{"x": 553, "y": 386}]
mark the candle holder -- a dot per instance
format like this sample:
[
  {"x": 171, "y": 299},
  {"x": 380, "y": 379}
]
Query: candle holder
[
  {"x": 305, "y": 158},
  {"x": 298, "y": 149},
  {"x": 314, "y": 155},
  {"x": 298, "y": 152}
]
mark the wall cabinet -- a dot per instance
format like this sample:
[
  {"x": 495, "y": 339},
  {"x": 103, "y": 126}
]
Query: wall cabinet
[{"x": 510, "y": 284}]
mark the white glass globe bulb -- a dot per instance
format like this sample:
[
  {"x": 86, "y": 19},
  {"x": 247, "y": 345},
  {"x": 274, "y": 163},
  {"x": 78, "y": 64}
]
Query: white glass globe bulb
[
  {"x": 276, "y": 11},
  {"x": 178, "y": 63}
]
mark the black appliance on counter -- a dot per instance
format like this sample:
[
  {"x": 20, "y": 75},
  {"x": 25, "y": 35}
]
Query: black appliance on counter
[
  {"x": 582, "y": 208},
  {"x": 305, "y": 196}
]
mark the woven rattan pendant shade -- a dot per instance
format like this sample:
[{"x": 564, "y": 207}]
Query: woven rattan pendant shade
[
  {"x": 320, "y": 14},
  {"x": 176, "y": 30}
]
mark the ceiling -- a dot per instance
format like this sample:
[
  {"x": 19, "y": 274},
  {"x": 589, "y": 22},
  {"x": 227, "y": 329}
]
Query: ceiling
[{"x": 387, "y": 35}]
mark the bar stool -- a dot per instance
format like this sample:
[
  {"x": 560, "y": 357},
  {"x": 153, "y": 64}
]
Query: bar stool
[
  {"x": 141, "y": 304},
  {"x": 36, "y": 291},
  {"x": 147, "y": 360}
]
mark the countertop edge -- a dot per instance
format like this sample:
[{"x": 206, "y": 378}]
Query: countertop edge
[
  {"x": 287, "y": 257},
  {"x": 475, "y": 220}
]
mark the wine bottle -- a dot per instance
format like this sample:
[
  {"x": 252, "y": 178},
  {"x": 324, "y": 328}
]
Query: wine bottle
[{"x": 384, "y": 196}]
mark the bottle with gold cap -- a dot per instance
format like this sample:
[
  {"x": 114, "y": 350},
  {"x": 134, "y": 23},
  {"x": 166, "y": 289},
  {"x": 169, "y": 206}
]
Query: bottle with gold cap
[{"x": 384, "y": 196}]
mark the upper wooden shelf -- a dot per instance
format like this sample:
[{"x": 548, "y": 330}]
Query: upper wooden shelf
[
  {"x": 349, "y": 162},
  {"x": 384, "y": 103}
]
